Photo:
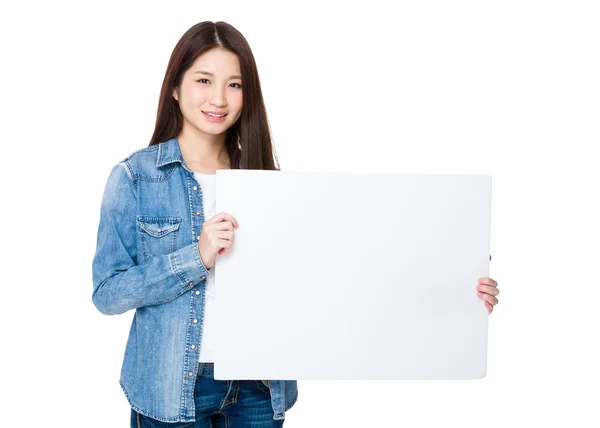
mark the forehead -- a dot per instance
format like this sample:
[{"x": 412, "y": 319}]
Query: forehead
[{"x": 218, "y": 61}]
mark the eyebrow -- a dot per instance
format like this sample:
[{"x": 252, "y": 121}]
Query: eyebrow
[{"x": 210, "y": 74}]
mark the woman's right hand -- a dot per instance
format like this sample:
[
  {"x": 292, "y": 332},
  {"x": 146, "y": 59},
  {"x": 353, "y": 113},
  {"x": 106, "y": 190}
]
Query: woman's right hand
[{"x": 216, "y": 237}]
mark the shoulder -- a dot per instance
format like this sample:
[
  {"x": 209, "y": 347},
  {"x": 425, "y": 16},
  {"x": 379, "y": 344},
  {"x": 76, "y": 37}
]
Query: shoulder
[
  {"x": 139, "y": 160},
  {"x": 142, "y": 164}
]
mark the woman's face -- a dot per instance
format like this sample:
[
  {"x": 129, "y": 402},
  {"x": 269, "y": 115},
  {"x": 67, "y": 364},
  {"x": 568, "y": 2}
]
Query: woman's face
[{"x": 211, "y": 84}]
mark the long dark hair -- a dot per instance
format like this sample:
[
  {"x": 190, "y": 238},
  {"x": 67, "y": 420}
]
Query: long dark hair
[{"x": 248, "y": 141}]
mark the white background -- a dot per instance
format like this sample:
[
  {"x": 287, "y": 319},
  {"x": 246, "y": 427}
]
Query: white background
[{"x": 508, "y": 89}]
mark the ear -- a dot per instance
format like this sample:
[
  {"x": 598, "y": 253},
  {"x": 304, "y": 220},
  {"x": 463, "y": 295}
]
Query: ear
[{"x": 175, "y": 94}]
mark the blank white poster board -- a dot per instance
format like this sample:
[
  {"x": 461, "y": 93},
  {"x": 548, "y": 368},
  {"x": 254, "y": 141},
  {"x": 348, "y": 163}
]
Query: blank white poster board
[{"x": 352, "y": 276}]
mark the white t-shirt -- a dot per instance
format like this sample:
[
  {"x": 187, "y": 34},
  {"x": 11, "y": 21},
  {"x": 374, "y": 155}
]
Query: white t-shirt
[{"x": 208, "y": 185}]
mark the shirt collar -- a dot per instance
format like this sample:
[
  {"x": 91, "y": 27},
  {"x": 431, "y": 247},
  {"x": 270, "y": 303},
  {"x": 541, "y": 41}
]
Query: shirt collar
[{"x": 169, "y": 152}]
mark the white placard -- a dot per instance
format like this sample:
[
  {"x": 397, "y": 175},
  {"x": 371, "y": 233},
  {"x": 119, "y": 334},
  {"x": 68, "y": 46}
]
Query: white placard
[{"x": 352, "y": 276}]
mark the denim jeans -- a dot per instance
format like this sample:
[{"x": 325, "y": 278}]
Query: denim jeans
[{"x": 222, "y": 404}]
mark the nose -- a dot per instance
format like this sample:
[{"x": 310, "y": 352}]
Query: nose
[{"x": 218, "y": 98}]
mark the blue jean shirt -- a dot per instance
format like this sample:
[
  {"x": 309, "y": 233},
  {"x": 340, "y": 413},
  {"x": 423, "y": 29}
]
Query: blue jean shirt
[{"x": 147, "y": 259}]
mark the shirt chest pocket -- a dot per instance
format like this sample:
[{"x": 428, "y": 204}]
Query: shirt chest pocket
[{"x": 158, "y": 235}]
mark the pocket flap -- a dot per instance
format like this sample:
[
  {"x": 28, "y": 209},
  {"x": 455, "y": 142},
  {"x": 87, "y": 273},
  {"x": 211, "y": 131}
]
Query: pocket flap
[{"x": 159, "y": 226}]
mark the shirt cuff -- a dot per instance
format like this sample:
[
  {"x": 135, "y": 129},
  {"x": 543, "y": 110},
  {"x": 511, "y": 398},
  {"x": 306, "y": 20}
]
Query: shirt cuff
[{"x": 187, "y": 265}]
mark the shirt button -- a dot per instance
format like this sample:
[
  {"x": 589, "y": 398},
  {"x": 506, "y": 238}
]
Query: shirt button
[
  {"x": 197, "y": 212},
  {"x": 195, "y": 321},
  {"x": 197, "y": 292},
  {"x": 159, "y": 230},
  {"x": 190, "y": 374},
  {"x": 203, "y": 277},
  {"x": 193, "y": 346},
  {"x": 195, "y": 187},
  {"x": 197, "y": 237},
  {"x": 190, "y": 283}
]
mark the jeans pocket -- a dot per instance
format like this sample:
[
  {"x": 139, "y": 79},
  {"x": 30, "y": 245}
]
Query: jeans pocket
[
  {"x": 158, "y": 235},
  {"x": 263, "y": 385}
]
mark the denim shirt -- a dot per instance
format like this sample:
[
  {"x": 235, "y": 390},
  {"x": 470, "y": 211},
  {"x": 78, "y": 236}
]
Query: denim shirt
[{"x": 147, "y": 259}]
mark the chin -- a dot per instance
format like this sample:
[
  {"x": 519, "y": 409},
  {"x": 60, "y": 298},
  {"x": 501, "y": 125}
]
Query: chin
[{"x": 214, "y": 131}]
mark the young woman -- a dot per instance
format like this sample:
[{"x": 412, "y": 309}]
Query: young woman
[{"x": 159, "y": 237}]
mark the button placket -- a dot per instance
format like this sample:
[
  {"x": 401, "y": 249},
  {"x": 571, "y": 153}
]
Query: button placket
[{"x": 196, "y": 202}]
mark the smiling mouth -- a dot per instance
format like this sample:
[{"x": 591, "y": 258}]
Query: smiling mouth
[{"x": 214, "y": 114}]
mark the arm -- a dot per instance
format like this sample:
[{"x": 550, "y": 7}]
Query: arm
[{"x": 120, "y": 284}]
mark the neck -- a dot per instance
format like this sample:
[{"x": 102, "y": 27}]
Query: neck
[{"x": 203, "y": 151}]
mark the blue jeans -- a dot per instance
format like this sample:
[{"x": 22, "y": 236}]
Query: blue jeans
[{"x": 222, "y": 404}]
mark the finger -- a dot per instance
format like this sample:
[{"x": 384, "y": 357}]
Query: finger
[
  {"x": 230, "y": 218},
  {"x": 227, "y": 247},
  {"x": 224, "y": 243},
  {"x": 489, "y": 307},
  {"x": 488, "y": 289},
  {"x": 222, "y": 216},
  {"x": 487, "y": 281},
  {"x": 225, "y": 234},
  {"x": 487, "y": 297},
  {"x": 223, "y": 225},
  {"x": 214, "y": 219}
]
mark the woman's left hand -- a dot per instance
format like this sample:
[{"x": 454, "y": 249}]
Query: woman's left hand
[{"x": 487, "y": 288}]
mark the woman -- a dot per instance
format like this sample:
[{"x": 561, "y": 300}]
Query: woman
[{"x": 159, "y": 236}]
